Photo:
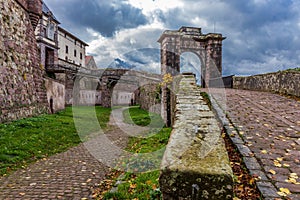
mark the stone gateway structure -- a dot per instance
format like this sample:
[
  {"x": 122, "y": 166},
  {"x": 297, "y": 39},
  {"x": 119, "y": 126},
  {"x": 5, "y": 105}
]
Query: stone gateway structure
[{"x": 207, "y": 47}]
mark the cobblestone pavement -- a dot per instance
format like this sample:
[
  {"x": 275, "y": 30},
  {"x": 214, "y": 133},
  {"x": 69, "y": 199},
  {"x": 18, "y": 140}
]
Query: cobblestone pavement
[
  {"x": 266, "y": 129},
  {"x": 69, "y": 175}
]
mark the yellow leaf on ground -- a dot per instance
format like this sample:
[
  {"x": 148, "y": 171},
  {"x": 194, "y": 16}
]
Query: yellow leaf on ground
[
  {"x": 291, "y": 180},
  {"x": 272, "y": 171},
  {"x": 264, "y": 151},
  {"x": 286, "y": 165},
  {"x": 285, "y": 190},
  {"x": 281, "y": 194},
  {"x": 280, "y": 159},
  {"x": 293, "y": 175},
  {"x": 154, "y": 187},
  {"x": 277, "y": 163}
]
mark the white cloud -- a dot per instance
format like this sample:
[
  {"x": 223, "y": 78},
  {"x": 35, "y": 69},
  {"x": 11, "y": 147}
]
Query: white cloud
[
  {"x": 148, "y": 6},
  {"x": 106, "y": 49}
]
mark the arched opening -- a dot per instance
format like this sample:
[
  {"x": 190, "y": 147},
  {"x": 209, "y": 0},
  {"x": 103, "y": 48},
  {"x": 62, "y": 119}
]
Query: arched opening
[{"x": 190, "y": 62}]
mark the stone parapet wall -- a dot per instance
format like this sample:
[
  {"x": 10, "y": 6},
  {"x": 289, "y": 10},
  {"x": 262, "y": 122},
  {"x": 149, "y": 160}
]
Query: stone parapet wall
[
  {"x": 285, "y": 82},
  {"x": 149, "y": 97},
  {"x": 195, "y": 164},
  {"x": 22, "y": 89}
]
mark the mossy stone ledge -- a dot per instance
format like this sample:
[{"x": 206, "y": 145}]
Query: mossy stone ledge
[{"x": 195, "y": 164}]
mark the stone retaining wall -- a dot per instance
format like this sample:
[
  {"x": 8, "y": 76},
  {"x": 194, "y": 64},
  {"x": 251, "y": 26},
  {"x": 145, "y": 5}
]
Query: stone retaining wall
[
  {"x": 22, "y": 89},
  {"x": 55, "y": 95},
  {"x": 149, "y": 97},
  {"x": 195, "y": 164},
  {"x": 285, "y": 82}
]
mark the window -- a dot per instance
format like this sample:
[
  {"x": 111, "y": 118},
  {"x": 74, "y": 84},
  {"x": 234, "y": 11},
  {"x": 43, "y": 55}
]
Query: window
[
  {"x": 80, "y": 56},
  {"x": 67, "y": 49},
  {"x": 44, "y": 32},
  {"x": 50, "y": 31},
  {"x": 75, "y": 52}
]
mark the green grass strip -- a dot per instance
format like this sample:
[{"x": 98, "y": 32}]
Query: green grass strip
[
  {"x": 141, "y": 185},
  {"x": 27, "y": 140}
]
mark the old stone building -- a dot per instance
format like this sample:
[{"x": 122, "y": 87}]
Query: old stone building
[
  {"x": 22, "y": 90},
  {"x": 47, "y": 37},
  {"x": 71, "y": 49}
]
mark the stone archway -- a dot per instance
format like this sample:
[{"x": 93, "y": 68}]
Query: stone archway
[{"x": 208, "y": 47}]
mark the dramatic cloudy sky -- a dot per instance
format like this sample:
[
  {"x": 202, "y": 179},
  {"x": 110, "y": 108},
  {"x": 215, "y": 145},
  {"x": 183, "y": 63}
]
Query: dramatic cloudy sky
[{"x": 262, "y": 35}]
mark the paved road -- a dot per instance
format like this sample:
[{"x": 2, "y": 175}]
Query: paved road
[
  {"x": 269, "y": 126},
  {"x": 72, "y": 174}
]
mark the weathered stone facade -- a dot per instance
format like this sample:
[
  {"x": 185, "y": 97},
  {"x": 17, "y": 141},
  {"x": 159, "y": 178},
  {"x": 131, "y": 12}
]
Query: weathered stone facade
[
  {"x": 285, "y": 82},
  {"x": 149, "y": 97},
  {"x": 195, "y": 164},
  {"x": 22, "y": 90},
  {"x": 55, "y": 95}
]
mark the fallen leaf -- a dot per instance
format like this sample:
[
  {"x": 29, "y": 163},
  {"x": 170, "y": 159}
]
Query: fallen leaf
[
  {"x": 291, "y": 180},
  {"x": 285, "y": 190},
  {"x": 89, "y": 180},
  {"x": 132, "y": 186},
  {"x": 272, "y": 171},
  {"x": 280, "y": 159},
  {"x": 281, "y": 194},
  {"x": 293, "y": 175},
  {"x": 286, "y": 165},
  {"x": 277, "y": 163},
  {"x": 251, "y": 181},
  {"x": 264, "y": 151}
]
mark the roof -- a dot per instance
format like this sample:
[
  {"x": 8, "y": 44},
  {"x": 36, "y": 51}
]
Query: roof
[
  {"x": 47, "y": 11},
  {"x": 87, "y": 59}
]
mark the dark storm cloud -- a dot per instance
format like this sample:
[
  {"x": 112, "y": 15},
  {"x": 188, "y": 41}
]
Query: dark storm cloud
[
  {"x": 105, "y": 17},
  {"x": 262, "y": 35}
]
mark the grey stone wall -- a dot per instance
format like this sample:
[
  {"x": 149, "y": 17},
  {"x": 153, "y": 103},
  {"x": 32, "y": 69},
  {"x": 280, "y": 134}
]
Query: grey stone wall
[
  {"x": 22, "y": 89},
  {"x": 149, "y": 97},
  {"x": 285, "y": 82},
  {"x": 195, "y": 164},
  {"x": 56, "y": 92}
]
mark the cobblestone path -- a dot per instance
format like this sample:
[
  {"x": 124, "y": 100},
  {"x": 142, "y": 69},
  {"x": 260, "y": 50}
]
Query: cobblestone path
[
  {"x": 69, "y": 175},
  {"x": 266, "y": 129}
]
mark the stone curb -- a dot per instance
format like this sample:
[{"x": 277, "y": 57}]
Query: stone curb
[{"x": 264, "y": 185}]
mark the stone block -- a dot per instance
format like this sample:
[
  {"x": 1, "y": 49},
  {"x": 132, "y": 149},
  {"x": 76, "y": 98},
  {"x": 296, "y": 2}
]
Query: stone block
[{"x": 195, "y": 164}]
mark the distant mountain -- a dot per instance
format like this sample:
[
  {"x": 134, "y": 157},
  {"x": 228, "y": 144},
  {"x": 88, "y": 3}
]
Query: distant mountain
[{"x": 120, "y": 64}]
